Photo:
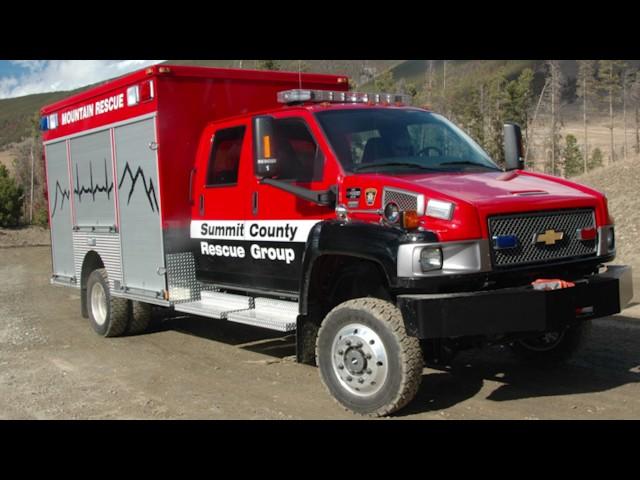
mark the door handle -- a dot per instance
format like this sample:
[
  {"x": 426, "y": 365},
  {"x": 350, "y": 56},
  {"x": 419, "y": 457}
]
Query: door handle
[
  {"x": 202, "y": 205},
  {"x": 254, "y": 203}
]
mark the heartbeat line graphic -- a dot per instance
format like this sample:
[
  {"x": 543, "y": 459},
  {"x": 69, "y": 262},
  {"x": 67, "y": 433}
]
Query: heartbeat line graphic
[
  {"x": 148, "y": 188},
  {"x": 64, "y": 193},
  {"x": 93, "y": 189}
]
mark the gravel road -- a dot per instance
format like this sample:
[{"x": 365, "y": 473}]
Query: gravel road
[{"x": 53, "y": 366}]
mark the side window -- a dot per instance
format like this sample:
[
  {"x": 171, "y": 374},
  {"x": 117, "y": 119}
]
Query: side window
[
  {"x": 298, "y": 154},
  {"x": 224, "y": 160}
]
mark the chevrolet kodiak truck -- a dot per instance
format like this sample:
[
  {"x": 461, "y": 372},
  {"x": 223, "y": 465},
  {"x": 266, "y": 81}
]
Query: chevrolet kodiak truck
[{"x": 380, "y": 233}]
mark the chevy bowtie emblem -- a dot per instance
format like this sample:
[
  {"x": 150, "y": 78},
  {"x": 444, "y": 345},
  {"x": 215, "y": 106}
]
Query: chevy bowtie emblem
[{"x": 550, "y": 237}]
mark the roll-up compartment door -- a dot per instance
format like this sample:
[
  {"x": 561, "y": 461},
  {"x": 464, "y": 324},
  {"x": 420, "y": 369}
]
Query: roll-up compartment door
[
  {"x": 60, "y": 213},
  {"x": 139, "y": 207}
]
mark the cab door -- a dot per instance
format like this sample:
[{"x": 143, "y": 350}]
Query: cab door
[
  {"x": 221, "y": 203},
  {"x": 279, "y": 222}
]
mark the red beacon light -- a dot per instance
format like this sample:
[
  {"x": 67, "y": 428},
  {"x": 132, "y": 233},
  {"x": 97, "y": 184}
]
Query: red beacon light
[
  {"x": 140, "y": 93},
  {"x": 586, "y": 234}
]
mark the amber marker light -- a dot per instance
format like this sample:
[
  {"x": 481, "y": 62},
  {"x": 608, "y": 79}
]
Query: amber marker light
[
  {"x": 410, "y": 219},
  {"x": 266, "y": 144}
]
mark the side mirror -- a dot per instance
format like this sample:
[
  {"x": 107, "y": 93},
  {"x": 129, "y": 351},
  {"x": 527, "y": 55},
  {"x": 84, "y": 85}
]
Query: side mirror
[
  {"x": 265, "y": 163},
  {"x": 513, "y": 151}
]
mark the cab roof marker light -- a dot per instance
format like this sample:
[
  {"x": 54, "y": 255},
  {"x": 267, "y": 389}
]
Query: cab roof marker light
[
  {"x": 440, "y": 209},
  {"x": 320, "y": 96},
  {"x": 133, "y": 95}
]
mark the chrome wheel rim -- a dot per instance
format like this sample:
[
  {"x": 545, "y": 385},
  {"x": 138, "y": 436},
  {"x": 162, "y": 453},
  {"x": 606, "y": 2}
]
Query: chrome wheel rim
[
  {"x": 99, "y": 304},
  {"x": 359, "y": 359},
  {"x": 546, "y": 342}
]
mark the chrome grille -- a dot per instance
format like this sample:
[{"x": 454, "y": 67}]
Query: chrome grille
[
  {"x": 404, "y": 200},
  {"x": 526, "y": 227}
]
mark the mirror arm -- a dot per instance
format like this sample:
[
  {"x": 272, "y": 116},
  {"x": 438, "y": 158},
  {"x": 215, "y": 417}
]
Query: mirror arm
[{"x": 319, "y": 197}]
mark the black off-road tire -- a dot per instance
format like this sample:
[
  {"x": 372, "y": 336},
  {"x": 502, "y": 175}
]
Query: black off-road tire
[
  {"x": 571, "y": 340},
  {"x": 141, "y": 314},
  {"x": 404, "y": 356},
  {"x": 118, "y": 310}
]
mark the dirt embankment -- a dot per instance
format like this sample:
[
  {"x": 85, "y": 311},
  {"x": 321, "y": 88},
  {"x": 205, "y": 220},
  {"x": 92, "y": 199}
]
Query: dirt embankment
[
  {"x": 620, "y": 182},
  {"x": 24, "y": 236}
]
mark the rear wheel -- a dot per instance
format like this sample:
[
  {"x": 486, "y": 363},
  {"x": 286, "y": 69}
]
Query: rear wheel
[
  {"x": 552, "y": 348},
  {"x": 109, "y": 316},
  {"x": 366, "y": 360},
  {"x": 140, "y": 317}
]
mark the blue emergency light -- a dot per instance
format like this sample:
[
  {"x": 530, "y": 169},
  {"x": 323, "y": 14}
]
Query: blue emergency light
[
  {"x": 501, "y": 242},
  {"x": 49, "y": 123}
]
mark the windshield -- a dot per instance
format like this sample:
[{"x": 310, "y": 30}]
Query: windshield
[{"x": 400, "y": 141}]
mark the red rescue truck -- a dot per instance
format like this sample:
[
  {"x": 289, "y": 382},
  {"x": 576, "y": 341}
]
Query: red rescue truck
[{"x": 380, "y": 233}]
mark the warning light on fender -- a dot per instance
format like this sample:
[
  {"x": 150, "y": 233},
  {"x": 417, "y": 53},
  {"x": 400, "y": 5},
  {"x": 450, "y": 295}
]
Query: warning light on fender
[
  {"x": 585, "y": 234},
  {"x": 410, "y": 219}
]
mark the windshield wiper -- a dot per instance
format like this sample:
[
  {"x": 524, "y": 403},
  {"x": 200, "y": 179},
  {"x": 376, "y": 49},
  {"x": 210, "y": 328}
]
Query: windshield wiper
[
  {"x": 392, "y": 164},
  {"x": 466, "y": 162}
]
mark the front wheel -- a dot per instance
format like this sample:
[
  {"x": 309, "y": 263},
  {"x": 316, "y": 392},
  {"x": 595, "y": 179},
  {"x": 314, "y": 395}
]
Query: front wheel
[
  {"x": 366, "y": 360},
  {"x": 552, "y": 348}
]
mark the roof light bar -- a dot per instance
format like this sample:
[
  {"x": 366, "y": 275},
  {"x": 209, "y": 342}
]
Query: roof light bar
[{"x": 300, "y": 95}]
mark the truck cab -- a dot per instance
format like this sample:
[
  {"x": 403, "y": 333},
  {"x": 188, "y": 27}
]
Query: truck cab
[{"x": 378, "y": 232}]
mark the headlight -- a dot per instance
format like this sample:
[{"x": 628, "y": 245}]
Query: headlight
[
  {"x": 392, "y": 213},
  {"x": 431, "y": 259},
  {"x": 440, "y": 209}
]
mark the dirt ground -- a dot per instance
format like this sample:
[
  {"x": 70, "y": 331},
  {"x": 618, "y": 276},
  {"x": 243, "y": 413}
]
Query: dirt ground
[{"x": 53, "y": 366}]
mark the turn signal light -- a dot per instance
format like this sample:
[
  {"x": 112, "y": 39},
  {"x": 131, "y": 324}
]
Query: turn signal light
[{"x": 410, "y": 219}]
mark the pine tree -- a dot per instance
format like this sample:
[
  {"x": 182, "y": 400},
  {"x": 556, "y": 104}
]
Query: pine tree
[
  {"x": 610, "y": 83},
  {"x": 520, "y": 101},
  {"x": 556, "y": 81},
  {"x": 11, "y": 199},
  {"x": 572, "y": 157},
  {"x": 595, "y": 161},
  {"x": 586, "y": 91},
  {"x": 496, "y": 101},
  {"x": 384, "y": 82}
]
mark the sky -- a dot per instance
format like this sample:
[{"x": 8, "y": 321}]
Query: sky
[{"x": 26, "y": 77}]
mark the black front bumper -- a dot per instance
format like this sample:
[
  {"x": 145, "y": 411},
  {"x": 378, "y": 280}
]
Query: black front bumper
[{"x": 518, "y": 309}]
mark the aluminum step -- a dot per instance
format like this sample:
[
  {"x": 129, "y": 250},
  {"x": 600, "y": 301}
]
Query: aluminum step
[
  {"x": 280, "y": 315},
  {"x": 215, "y": 304}
]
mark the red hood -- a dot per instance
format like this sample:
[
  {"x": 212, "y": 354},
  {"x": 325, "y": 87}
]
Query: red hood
[
  {"x": 512, "y": 189},
  {"x": 478, "y": 195}
]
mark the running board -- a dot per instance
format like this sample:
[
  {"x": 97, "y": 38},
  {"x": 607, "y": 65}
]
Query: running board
[{"x": 279, "y": 315}]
